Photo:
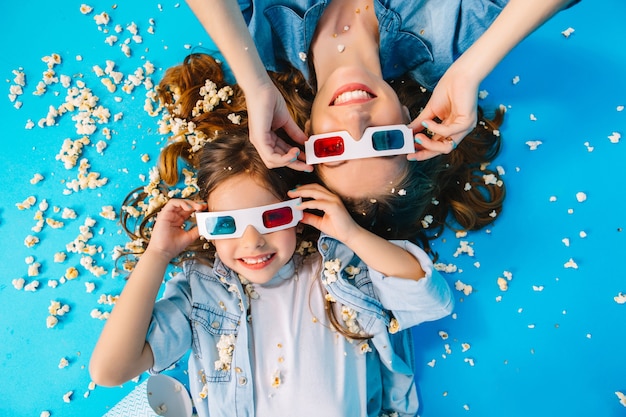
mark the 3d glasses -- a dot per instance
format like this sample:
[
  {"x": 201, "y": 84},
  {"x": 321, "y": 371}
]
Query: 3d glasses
[
  {"x": 265, "y": 219},
  {"x": 376, "y": 141}
]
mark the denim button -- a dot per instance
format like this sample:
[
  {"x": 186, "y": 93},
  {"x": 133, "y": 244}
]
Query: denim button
[
  {"x": 243, "y": 380},
  {"x": 215, "y": 325}
]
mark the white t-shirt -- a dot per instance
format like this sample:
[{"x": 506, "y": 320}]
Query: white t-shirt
[{"x": 293, "y": 341}]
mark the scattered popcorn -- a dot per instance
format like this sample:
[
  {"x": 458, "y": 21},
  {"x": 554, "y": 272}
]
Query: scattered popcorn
[
  {"x": 234, "y": 118},
  {"x": 538, "y": 288},
  {"x": 71, "y": 273},
  {"x": 615, "y": 137},
  {"x": 620, "y": 298},
  {"x": 59, "y": 257},
  {"x": 533, "y": 144},
  {"x": 18, "y": 283},
  {"x": 449, "y": 268},
  {"x": 552, "y": 199},
  {"x": 51, "y": 321},
  {"x": 63, "y": 363},
  {"x": 225, "y": 347},
  {"x": 432, "y": 363},
  {"x": 619, "y": 108},
  {"x": 45, "y": 414},
  {"x": 108, "y": 213},
  {"x": 571, "y": 264},
  {"x": 582, "y": 234},
  {"x": 482, "y": 94},
  {"x": 26, "y": 204},
  {"x": 465, "y": 347},
  {"x": 621, "y": 397},
  {"x": 302, "y": 56},
  {"x": 515, "y": 79},
  {"x": 567, "y": 32},
  {"x": 394, "y": 326},
  {"x": 31, "y": 241},
  {"x": 68, "y": 396},
  {"x": 464, "y": 248},
  {"x": 503, "y": 284},
  {"x": 443, "y": 335},
  {"x": 469, "y": 361},
  {"x": 580, "y": 196},
  {"x": 464, "y": 288},
  {"x": 36, "y": 179},
  {"x": 85, "y": 9},
  {"x": 565, "y": 241},
  {"x": 533, "y": 117},
  {"x": 90, "y": 287}
]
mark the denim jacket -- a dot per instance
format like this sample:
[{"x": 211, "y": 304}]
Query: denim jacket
[
  {"x": 206, "y": 309},
  {"x": 422, "y": 37}
]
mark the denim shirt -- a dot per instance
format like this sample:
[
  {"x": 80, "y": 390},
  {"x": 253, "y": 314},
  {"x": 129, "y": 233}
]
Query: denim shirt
[
  {"x": 422, "y": 37},
  {"x": 205, "y": 309}
]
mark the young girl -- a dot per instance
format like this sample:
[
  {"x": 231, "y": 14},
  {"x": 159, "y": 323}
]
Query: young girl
[{"x": 275, "y": 329}]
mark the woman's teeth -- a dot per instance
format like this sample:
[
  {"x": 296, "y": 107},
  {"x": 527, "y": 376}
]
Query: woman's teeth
[{"x": 352, "y": 95}]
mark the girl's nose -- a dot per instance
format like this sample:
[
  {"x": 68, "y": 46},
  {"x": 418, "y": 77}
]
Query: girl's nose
[{"x": 251, "y": 238}]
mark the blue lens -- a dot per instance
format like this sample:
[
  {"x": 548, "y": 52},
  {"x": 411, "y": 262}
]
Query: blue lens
[
  {"x": 222, "y": 225},
  {"x": 387, "y": 139}
]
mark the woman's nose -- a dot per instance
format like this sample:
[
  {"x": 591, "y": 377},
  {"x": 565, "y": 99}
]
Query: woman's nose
[
  {"x": 356, "y": 122},
  {"x": 251, "y": 238}
]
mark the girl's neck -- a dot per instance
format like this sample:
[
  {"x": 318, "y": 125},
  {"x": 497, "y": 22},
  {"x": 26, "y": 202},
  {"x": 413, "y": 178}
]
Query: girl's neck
[{"x": 346, "y": 35}]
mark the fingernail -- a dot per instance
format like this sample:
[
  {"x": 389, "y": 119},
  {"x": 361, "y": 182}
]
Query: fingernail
[
  {"x": 417, "y": 140},
  {"x": 294, "y": 159},
  {"x": 425, "y": 125},
  {"x": 411, "y": 158}
]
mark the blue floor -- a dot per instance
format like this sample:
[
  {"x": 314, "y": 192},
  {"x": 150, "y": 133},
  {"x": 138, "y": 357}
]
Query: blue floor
[{"x": 550, "y": 345}]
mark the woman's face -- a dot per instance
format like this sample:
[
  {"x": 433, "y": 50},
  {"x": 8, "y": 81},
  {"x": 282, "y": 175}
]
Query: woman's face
[{"x": 353, "y": 99}]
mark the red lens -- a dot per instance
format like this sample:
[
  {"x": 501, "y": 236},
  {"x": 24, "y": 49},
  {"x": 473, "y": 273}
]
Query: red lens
[
  {"x": 326, "y": 147},
  {"x": 277, "y": 217}
]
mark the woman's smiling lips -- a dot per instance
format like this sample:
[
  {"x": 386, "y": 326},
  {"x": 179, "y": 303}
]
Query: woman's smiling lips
[
  {"x": 257, "y": 262},
  {"x": 352, "y": 94}
]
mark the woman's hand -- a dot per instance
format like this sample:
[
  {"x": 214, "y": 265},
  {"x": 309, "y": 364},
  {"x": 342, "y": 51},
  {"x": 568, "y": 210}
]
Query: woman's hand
[
  {"x": 454, "y": 102},
  {"x": 335, "y": 220},
  {"x": 169, "y": 237},
  {"x": 268, "y": 112}
]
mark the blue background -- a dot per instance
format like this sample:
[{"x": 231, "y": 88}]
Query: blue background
[{"x": 555, "y": 352}]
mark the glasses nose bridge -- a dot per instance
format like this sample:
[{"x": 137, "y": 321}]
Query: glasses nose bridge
[{"x": 252, "y": 237}]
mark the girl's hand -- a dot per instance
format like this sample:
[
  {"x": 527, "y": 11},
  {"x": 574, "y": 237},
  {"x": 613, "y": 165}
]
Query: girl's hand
[
  {"x": 169, "y": 236},
  {"x": 454, "y": 102},
  {"x": 335, "y": 221},
  {"x": 268, "y": 112}
]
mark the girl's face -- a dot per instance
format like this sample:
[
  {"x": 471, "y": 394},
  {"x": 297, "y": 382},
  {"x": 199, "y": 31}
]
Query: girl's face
[
  {"x": 255, "y": 256},
  {"x": 353, "y": 99}
]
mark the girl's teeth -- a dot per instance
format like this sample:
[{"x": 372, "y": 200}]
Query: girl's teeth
[
  {"x": 252, "y": 261},
  {"x": 351, "y": 95}
]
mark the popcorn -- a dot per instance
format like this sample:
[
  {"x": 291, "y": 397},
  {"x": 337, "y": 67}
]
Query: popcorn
[
  {"x": 571, "y": 264},
  {"x": 615, "y": 137},
  {"x": 464, "y": 288},
  {"x": 63, "y": 363},
  {"x": 27, "y": 203},
  {"x": 68, "y": 396},
  {"x": 533, "y": 144},
  {"x": 580, "y": 196},
  {"x": 620, "y": 298},
  {"x": 567, "y": 32},
  {"x": 225, "y": 347},
  {"x": 36, "y": 179},
  {"x": 85, "y": 9},
  {"x": 31, "y": 241}
]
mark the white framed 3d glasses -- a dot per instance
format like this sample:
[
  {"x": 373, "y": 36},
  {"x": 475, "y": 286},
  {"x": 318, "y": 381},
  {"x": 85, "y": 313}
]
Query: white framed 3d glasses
[
  {"x": 265, "y": 219},
  {"x": 376, "y": 141}
]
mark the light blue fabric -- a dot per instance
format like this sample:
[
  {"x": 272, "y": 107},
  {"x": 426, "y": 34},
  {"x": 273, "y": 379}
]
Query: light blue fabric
[
  {"x": 422, "y": 37},
  {"x": 202, "y": 305}
]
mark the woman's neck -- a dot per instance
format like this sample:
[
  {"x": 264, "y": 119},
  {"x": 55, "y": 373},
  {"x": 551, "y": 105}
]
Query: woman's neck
[{"x": 346, "y": 35}]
